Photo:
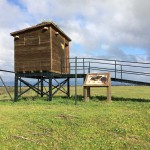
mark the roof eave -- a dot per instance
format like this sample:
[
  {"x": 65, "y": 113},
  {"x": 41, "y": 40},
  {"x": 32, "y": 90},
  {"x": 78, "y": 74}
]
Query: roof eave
[{"x": 38, "y": 26}]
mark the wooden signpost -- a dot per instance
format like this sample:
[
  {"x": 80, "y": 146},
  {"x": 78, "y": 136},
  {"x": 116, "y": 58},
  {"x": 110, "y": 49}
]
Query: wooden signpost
[{"x": 97, "y": 80}]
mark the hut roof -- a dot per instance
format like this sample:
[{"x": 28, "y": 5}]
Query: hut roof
[{"x": 43, "y": 24}]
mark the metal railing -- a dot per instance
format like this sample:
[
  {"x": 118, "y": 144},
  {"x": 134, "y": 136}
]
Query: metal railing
[
  {"x": 130, "y": 70},
  {"x": 119, "y": 69}
]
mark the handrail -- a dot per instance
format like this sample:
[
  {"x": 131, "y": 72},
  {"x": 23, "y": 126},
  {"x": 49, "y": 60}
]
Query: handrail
[
  {"x": 111, "y": 60},
  {"x": 115, "y": 66},
  {"x": 7, "y": 71}
]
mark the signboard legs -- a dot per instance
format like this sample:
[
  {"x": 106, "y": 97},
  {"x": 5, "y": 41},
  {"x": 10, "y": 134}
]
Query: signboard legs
[{"x": 109, "y": 93}]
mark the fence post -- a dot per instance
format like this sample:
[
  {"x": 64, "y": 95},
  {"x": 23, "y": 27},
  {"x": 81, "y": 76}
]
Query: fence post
[{"x": 75, "y": 80}]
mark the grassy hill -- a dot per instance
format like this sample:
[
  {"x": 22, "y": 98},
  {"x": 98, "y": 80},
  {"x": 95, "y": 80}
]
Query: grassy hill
[{"x": 34, "y": 123}]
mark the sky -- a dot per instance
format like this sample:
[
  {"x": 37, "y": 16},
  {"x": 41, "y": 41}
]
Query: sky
[{"x": 115, "y": 29}]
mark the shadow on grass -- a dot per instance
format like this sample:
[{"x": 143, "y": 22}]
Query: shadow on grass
[
  {"x": 102, "y": 98},
  {"x": 79, "y": 98},
  {"x": 5, "y": 100}
]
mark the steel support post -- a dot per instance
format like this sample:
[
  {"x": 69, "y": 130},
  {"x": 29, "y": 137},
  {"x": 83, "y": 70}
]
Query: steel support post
[
  {"x": 42, "y": 87},
  {"x": 38, "y": 85},
  {"x": 16, "y": 88},
  {"x": 20, "y": 86},
  {"x": 50, "y": 88},
  {"x": 68, "y": 87}
]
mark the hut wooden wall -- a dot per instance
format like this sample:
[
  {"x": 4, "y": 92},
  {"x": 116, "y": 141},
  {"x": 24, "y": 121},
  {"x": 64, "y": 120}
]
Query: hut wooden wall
[
  {"x": 60, "y": 53},
  {"x": 37, "y": 50},
  {"x": 32, "y": 51}
]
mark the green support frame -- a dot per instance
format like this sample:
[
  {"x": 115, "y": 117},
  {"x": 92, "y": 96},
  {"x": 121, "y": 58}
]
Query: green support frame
[{"x": 44, "y": 77}]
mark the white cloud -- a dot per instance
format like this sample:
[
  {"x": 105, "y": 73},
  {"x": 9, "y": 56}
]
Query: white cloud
[
  {"x": 117, "y": 22},
  {"x": 11, "y": 18},
  {"x": 94, "y": 25}
]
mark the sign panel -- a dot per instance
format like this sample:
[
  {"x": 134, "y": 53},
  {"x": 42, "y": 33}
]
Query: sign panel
[{"x": 97, "y": 79}]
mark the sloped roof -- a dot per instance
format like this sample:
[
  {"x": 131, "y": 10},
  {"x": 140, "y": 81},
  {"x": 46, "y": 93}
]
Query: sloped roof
[{"x": 43, "y": 24}]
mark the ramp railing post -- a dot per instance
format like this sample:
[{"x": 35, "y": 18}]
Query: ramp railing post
[
  {"x": 69, "y": 67},
  {"x": 83, "y": 67},
  {"x": 75, "y": 80},
  {"x": 115, "y": 69},
  {"x": 89, "y": 67},
  {"x": 121, "y": 71}
]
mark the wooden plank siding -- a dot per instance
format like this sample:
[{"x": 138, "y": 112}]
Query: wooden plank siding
[
  {"x": 39, "y": 50},
  {"x": 57, "y": 53},
  {"x": 32, "y": 51}
]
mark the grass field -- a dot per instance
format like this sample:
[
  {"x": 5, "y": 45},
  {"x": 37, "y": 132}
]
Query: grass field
[{"x": 34, "y": 123}]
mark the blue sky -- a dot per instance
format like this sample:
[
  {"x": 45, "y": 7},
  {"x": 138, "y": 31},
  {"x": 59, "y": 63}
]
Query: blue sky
[{"x": 115, "y": 29}]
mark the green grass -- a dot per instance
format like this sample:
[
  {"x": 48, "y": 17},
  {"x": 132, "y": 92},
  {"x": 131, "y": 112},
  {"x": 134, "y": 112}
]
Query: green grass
[{"x": 34, "y": 123}]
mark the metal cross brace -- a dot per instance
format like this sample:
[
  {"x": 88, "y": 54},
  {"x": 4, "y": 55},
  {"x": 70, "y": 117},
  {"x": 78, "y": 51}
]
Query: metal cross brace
[{"x": 33, "y": 87}]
